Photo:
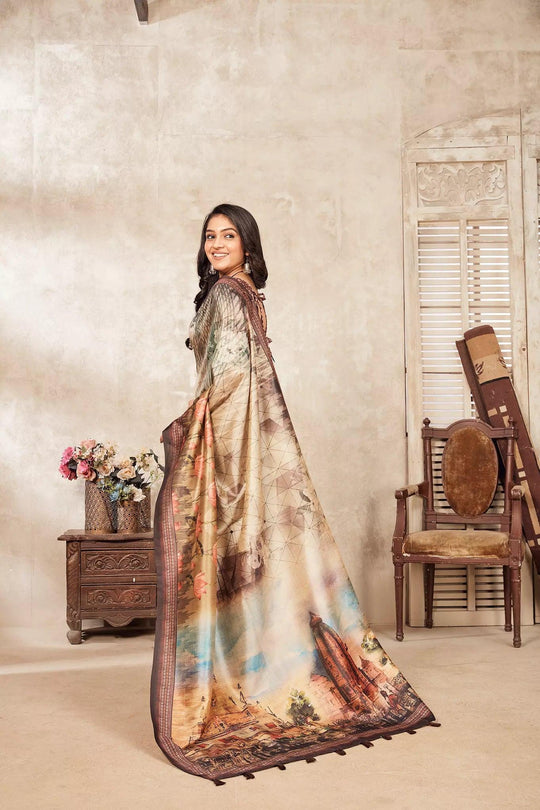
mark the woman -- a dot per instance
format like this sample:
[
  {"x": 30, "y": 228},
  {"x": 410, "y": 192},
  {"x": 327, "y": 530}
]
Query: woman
[{"x": 262, "y": 655}]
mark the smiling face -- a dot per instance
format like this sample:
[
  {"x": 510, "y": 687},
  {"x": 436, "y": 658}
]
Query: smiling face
[{"x": 223, "y": 246}]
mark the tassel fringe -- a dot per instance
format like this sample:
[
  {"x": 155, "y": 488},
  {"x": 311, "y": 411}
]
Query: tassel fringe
[{"x": 339, "y": 751}]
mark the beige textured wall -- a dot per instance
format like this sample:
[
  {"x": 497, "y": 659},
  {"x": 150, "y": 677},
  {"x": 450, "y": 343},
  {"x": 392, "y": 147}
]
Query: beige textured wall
[{"x": 115, "y": 141}]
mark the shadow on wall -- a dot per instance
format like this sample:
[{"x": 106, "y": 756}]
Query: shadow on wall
[{"x": 161, "y": 10}]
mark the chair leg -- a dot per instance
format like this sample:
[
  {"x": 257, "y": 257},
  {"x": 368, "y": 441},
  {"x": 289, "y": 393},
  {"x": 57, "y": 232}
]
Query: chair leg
[
  {"x": 507, "y": 599},
  {"x": 398, "y": 582},
  {"x": 515, "y": 574},
  {"x": 429, "y": 581}
]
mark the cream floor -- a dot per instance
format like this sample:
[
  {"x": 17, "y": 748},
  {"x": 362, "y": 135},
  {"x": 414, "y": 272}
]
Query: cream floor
[{"x": 76, "y": 732}]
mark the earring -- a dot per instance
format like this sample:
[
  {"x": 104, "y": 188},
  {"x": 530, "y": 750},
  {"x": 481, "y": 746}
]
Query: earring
[
  {"x": 247, "y": 268},
  {"x": 212, "y": 270}
]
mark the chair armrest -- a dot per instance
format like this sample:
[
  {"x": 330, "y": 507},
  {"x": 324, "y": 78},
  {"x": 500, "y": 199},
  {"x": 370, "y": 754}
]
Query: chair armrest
[
  {"x": 516, "y": 493},
  {"x": 400, "y": 529},
  {"x": 410, "y": 489}
]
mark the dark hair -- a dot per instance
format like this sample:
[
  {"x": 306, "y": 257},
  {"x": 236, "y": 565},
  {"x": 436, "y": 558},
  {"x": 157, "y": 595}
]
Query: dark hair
[{"x": 248, "y": 231}]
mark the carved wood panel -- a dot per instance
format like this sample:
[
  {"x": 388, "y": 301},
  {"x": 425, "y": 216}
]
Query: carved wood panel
[
  {"x": 461, "y": 183},
  {"x": 112, "y": 597},
  {"x": 73, "y": 603},
  {"x": 107, "y": 562}
]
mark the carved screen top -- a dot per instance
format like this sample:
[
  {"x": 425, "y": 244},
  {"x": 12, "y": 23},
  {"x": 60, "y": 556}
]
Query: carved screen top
[{"x": 465, "y": 183}]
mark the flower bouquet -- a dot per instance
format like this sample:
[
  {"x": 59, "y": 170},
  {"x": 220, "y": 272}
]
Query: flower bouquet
[
  {"x": 129, "y": 477},
  {"x": 117, "y": 489},
  {"x": 90, "y": 460}
]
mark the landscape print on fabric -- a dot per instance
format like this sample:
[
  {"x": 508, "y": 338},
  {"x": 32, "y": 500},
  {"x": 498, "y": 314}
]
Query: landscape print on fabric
[{"x": 345, "y": 696}]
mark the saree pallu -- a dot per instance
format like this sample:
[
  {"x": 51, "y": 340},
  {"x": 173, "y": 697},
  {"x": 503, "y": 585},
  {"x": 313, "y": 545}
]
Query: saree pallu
[{"x": 262, "y": 655}]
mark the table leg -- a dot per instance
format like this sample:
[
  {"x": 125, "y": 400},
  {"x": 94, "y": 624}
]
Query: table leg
[
  {"x": 74, "y": 635},
  {"x": 73, "y": 596}
]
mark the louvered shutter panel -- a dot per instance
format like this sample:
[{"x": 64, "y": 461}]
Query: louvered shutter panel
[
  {"x": 463, "y": 281},
  {"x": 440, "y": 293}
]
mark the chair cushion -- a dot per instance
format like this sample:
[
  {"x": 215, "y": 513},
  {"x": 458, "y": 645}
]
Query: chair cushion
[{"x": 458, "y": 543}]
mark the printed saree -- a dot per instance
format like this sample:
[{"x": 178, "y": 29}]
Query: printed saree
[{"x": 262, "y": 655}]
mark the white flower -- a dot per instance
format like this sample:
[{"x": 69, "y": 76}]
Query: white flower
[
  {"x": 126, "y": 473},
  {"x": 138, "y": 494},
  {"x": 148, "y": 464},
  {"x": 105, "y": 468},
  {"x": 146, "y": 461},
  {"x": 99, "y": 454}
]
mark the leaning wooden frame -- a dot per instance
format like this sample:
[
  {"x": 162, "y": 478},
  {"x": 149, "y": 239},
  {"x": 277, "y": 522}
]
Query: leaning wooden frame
[{"x": 496, "y": 403}]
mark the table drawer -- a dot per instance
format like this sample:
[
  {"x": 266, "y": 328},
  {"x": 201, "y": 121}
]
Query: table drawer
[
  {"x": 117, "y": 561},
  {"x": 114, "y": 597}
]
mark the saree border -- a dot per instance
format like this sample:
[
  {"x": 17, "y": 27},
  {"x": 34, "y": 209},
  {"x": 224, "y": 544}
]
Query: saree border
[{"x": 165, "y": 552}]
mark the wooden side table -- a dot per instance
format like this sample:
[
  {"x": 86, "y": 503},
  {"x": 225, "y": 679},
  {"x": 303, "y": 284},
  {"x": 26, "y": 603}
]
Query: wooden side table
[{"x": 110, "y": 577}]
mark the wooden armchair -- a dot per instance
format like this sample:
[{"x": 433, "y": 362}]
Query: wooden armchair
[{"x": 462, "y": 495}]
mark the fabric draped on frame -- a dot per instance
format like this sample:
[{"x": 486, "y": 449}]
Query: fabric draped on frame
[{"x": 262, "y": 655}]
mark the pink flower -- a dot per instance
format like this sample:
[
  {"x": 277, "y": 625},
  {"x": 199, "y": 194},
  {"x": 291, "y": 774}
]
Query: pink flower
[
  {"x": 67, "y": 472},
  {"x": 175, "y": 504},
  {"x": 85, "y": 471},
  {"x": 67, "y": 455},
  {"x": 212, "y": 497},
  {"x": 199, "y": 585},
  {"x": 199, "y": 466},
  {"x": 200, "y": 409},
  {"x": 89, "y": 444},
  {"x": 208, "y": 434}
]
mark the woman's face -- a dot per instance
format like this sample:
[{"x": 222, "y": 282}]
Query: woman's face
[{"x": 223, "y": 245}]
